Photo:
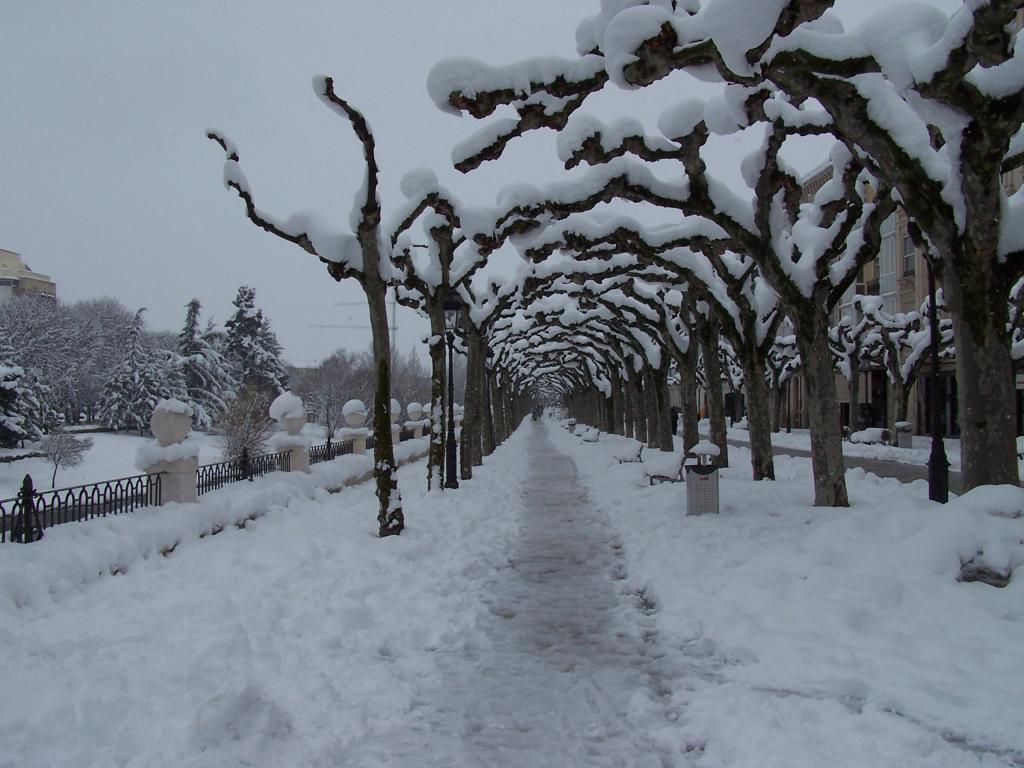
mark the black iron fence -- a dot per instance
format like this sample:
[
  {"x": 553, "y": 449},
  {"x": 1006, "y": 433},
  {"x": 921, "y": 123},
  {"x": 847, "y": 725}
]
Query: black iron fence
[
  {"x": 25, "y": 517},
  {"x": 328, "y": 451},
  {"x": 210, "y": 477}
]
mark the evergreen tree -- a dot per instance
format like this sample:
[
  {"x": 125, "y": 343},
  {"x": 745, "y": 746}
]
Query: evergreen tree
[
  {"x": 209, "y": 379},
  {"x": 137, "y": 383},
  {"x": 252, "y": 346},
  {"x": 17, "y": 402}
]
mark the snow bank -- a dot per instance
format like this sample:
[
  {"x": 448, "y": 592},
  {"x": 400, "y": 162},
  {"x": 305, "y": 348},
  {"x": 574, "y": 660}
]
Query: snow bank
[
  {"x": 285, "y": 643},
  {"x": 152, "y": 453},
  {"x": 805, "y": 632},
  {"x": 72, "y": 555}
]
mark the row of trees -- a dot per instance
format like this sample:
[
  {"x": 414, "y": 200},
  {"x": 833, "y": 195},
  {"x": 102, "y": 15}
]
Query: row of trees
[
  {"x": 932, "y": 132},
  {"x": 607, "y": 305}
]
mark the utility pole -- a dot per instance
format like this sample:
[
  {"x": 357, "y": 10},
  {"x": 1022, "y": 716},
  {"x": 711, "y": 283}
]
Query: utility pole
[{"x": 393, "y": 301}]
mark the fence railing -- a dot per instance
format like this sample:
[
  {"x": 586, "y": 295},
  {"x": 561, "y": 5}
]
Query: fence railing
[
  {"x": 328, "y": 451},
  {"x": 26, "y": 516},
  {"x": 210, "y": 477}
]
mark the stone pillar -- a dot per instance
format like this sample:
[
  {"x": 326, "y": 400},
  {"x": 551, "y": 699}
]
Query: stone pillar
[
  {"x": 354, "y": 412},
  {"x": 415, "y": 423},
  {"x": 289, "y": 412},
  {"x": 171, "y": 456},
  {"x": 396, "y": 421}
]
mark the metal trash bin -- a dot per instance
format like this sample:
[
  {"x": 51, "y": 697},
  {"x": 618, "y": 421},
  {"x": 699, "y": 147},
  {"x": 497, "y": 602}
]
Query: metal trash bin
[
  {"x": 701, "y": 486},
  {"x": 904, "y": 435}
]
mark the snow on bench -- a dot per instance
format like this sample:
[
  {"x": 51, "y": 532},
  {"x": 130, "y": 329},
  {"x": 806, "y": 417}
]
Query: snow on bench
[
  {"x": 590, "y": 435},
  {"x": 579, "y": 429},
  {"x": 663, "y": 467},
  {"x": 1020, "y": 447},
  {"x": 629, "y": 453},
  {"x": 872, "y": 436}
]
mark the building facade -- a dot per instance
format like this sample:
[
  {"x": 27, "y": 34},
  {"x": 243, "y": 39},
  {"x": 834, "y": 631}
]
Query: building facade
[{"x": 18, "y": 279}]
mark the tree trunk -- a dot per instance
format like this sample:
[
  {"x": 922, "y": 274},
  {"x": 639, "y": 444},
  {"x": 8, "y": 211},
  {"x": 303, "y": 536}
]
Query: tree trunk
[
  {"x": 758, "y": 414},
  {"x": 688, "y": 395},
  {"x": 628, "y": 411},
  {"x": 775, "y": 393},
  {"x": 663, "y": 411},
  {"x": 435, "y": 454},
  {"x": 855, "y": 424},
  {"x": 390, "y": 517},
  {"x": 488, "y": 425},
  {"x": 708, "y": 335},
  {"x": 986, "y": 397},
  {"x": 639, "y": 418},
  {"x": 650, "y": 408},
  {"x": 823, "y": 416}
]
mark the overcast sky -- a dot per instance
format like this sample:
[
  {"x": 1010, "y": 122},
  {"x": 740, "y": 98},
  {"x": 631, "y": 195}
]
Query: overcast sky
[{"x": 108, "y": 184}]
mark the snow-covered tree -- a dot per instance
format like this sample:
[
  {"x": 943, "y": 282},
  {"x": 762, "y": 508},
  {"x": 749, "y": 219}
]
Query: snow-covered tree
[
  {"x": 360, "y": 254},
  {"x": 901, "y": 342},
  {"x": 939, "y": 121},
  {"x": 245, "y": 425},
  {"x": 137, "y": 383},
  {"x": 253, "y": 347},
  {"x": 208, "y": 377},
  {"x": 64, "y": 450},
  {"x": 17, "y": 402}
]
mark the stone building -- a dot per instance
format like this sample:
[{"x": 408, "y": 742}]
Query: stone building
[{"x": 18, "y": 279}]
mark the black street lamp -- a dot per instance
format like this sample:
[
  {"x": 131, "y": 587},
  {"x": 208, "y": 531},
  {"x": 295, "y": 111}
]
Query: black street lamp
[
  {"x": 938, "y": 464},
  {"x": 452, "y": 315}
]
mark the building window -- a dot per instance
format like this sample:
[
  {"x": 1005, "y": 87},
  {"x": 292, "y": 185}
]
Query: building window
[
  {"x": 887, "y": 264},
  {"x": 909, "y": 255}
]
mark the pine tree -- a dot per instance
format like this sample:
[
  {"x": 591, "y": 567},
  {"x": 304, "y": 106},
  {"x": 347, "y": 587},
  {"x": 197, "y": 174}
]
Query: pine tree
[
  {"x": 209, "y": 380},
  {"x": 252, "y": 346},
  {"x": 137, "y": 383},
  {"x": 17, "y": 402}
]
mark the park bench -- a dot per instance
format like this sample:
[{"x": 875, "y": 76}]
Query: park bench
[
  {"x": 590, "y": 435},
  {"x": 630, "y": 453},
  {"x": 579, "y": 429},
  {"x": 664, "y": 468},
  {"x": 1020, "y": 447}
]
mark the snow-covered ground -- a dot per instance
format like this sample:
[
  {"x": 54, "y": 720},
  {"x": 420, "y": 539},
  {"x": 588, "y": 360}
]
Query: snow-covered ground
[
  {"x": 554, "y": 611},
  {"x": 112, "y": 456},
  {"x": 801, "y": 438},
  {"x": 810, "y": 637},
  {"x": 280, "y": 644}
]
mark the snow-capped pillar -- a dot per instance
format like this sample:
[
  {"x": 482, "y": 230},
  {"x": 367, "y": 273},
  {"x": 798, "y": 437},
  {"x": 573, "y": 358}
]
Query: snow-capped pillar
[
  {"x": 289, "y": 412},
  {"x": 415, "y": 423},
  {"x": 396, "y": 418},
  {"x": 354, "y": 412},
  {"x": 171, "y": 455}
]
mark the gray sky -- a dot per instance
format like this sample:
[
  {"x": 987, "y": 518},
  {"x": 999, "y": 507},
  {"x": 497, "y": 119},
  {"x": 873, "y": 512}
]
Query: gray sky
[{"x": 108, "y": 184}]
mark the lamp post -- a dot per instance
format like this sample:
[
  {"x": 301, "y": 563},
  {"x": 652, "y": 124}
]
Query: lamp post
[
  {"x": 452, "y": 313},
  {"x": 938, "y": 464}
]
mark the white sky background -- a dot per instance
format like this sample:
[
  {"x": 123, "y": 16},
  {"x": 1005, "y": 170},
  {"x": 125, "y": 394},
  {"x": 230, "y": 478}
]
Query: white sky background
[{"x": 108, "y": 184}]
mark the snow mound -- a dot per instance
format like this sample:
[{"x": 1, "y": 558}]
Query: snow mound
[
  {"x": 353, "y": 406},
  {"x": 287, "y": 406},
  {"x": 151, "y": 454},
  {"x": 172, "y": 405}
]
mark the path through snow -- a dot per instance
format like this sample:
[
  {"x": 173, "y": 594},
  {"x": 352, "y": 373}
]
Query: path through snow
[{"x": 573, "y": 672}]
